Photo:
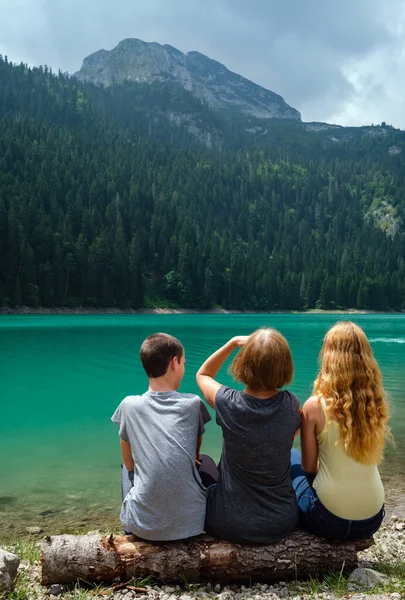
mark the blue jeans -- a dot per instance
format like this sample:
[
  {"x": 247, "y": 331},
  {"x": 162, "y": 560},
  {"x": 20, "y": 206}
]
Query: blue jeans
[{"x": 317, "y": 519}]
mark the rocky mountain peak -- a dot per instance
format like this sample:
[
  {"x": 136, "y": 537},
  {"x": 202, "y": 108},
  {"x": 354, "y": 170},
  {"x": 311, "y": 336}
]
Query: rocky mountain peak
[{"x": 205, "y": 78}]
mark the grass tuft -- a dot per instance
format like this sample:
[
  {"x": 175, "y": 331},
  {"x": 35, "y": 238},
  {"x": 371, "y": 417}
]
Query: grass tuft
[
  {"x": 142, "y": 582},
  {"x": 28, "y": 550},
  {"x": 20, "y": 590}
]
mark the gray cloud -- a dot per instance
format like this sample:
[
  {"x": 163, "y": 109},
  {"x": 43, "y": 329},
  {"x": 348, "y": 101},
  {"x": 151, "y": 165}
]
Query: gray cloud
[{"x": 337, "y": 61}]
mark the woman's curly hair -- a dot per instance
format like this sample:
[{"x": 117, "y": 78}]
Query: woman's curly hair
[{"x": 350, "y": 381}]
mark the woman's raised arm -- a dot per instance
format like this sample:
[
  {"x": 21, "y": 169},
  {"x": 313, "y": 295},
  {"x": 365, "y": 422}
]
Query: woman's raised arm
[{"x": 209, "y": 369}]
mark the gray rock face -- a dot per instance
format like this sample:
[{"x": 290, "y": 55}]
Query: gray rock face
[
  {"x": 207, "y": 79},
  {"x": 8, "y": 569},
  {"x": 367, "y": 578}
]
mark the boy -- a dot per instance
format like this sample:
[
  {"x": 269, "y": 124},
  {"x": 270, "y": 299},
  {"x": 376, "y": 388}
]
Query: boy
[{"x": 161, "y": 434}]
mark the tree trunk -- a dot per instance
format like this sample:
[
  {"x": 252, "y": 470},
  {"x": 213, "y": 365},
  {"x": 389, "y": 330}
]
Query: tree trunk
[{"x": 95, "y": 558}]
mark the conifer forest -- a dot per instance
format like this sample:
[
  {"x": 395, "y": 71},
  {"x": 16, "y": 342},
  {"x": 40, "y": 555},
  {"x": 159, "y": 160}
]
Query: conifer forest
[{"x": 139, "y": 196}]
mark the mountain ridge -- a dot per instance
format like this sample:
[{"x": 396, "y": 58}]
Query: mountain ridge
[{"x": 207, "y": 79}]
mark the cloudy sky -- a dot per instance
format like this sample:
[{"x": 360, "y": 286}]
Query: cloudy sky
[{"x": 340, "y": 61}]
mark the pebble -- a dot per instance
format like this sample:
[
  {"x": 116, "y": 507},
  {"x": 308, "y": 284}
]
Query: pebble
[
  {"x": 9, "y": 564},
  {"x": 367, "y": 578},
  {"x": 56, "y": 590},
  {"x": 34, "y": 530}
]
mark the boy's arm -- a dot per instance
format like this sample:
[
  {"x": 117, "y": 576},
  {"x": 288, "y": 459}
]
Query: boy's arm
[{"x": 127, "y": 455}]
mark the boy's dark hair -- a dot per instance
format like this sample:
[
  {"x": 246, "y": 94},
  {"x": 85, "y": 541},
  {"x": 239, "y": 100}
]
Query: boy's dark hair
[{"x": 157, "y": 351}]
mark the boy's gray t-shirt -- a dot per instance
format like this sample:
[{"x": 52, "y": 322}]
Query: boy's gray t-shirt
[{"x": 168, "y": 500}]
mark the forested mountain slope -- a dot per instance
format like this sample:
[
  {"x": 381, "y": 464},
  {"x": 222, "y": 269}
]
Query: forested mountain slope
[{"x": 106, "y": 201}]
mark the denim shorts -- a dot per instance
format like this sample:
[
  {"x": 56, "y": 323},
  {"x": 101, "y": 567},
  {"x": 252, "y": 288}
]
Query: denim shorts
[{"x": 319, "y": 520}]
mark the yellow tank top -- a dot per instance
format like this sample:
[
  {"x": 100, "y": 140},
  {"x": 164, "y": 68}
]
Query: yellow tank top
[{"x": 347, "y": 488}]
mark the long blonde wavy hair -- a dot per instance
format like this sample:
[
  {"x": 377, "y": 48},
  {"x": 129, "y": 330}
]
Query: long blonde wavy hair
[{"x": 350, "y": 381}]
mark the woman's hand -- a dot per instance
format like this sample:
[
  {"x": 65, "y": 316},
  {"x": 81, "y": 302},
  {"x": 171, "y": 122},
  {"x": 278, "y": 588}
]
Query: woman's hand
[
  {"x": 208, "y": 371},
  {"x": 240, "y": 340}
]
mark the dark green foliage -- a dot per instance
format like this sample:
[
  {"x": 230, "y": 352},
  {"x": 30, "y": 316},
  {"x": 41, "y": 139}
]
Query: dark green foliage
[{"x": 138, "y": 195}]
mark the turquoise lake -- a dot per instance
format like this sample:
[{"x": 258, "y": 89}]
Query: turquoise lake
[{"x": 63, "y": 376}]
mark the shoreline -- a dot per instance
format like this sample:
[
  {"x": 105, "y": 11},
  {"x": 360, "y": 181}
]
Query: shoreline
[
  {"x": 75, "y": 513},
  {"x": 85, "y": 310}
]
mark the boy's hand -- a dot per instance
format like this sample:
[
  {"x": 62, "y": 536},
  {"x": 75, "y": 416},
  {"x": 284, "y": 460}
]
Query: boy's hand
[{"x": 197, "y": 460}]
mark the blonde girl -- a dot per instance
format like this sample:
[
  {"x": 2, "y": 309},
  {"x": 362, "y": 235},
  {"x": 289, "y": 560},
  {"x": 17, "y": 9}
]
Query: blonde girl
[{"x": 343, "y": 432}]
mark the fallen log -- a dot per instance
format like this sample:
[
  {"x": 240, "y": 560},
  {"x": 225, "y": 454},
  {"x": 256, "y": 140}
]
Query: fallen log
[{"x": 95, "y": 558}]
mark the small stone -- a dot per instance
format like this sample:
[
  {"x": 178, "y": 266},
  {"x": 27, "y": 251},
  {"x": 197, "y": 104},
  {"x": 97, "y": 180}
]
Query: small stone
[
  {"x": 185, "y": 597},
  {"x": 217, "y": 588},
  {"x": 366, "y": 577},
  {"x": 399, "y": 526},
  {"x": 8, "y": 569},
  {"x": 394, "y": 518},
  {"x": 264, "y": 587},
  {"x": 34, "y": 530},
  {"x": 395, "y": 596},
  {"x": 56, "y": 590},
  {"x": 169, "y": 590}
]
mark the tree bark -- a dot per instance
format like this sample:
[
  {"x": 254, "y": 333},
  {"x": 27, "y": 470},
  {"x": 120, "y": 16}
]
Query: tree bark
[{"x": 95, "y": 558}]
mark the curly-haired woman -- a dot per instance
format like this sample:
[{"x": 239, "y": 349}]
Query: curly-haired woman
[{"x": 343, "y": 432}]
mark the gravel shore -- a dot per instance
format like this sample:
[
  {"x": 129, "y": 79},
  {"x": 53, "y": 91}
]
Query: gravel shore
[{"x": 386, "y": 559}]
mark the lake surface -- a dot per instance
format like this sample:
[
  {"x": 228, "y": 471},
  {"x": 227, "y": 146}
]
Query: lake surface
[{"x": 61, "y": 378}]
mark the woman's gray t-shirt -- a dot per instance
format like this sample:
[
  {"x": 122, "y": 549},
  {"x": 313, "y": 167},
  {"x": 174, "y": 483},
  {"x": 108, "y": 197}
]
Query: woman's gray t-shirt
[{"x": 253, "y": 500}]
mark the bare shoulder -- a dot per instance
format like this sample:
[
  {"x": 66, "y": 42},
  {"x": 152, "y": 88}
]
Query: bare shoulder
[
  {"x": 311, "y": 404},
  {"x": 313, "y": 413},
  {"x": 312, "y": 408}
]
